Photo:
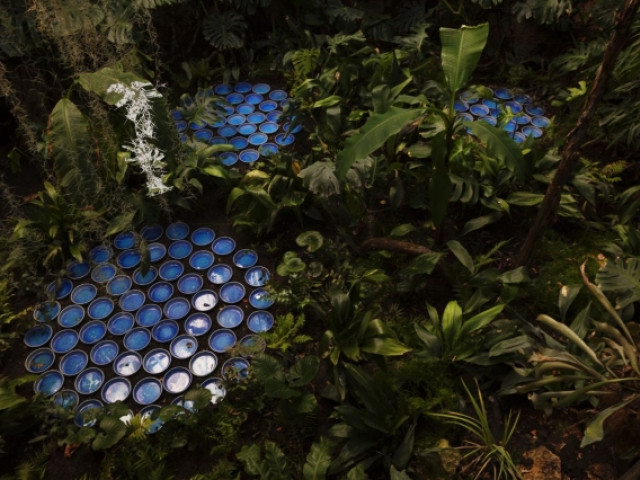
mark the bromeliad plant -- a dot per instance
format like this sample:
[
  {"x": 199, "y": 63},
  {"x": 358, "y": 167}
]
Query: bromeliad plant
[{"x": 601, "y": 357}]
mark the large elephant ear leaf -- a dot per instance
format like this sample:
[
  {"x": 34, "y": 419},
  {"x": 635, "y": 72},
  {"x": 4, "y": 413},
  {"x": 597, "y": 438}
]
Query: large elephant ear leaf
[
  {"x": 71, "y": 146},
  {"x": 100, "y": 81},
  {"x": 461, "y": 50}
]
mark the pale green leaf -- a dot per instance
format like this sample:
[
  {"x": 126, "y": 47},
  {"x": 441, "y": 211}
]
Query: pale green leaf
[
  {"x": 462, "y": 254},
  {"x": 461, "y": 50},
  {"x": 318, "y": 460}
]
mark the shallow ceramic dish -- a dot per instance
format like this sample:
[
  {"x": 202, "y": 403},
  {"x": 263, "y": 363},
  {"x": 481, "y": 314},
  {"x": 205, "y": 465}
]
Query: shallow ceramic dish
[
  {"x": 119, "y": 285},
  {"x": 261, "y": 299},
  {"x": 203, "y": 236},
  {"x": 120, "y": 323},
  {"x": 104, "y": 352},
  {"x": 148, "y": 315},
  {"x": 132, "y": 300},
  {"x": 127, "y": 363},
  {"x": 64, "y": 340},
  {"x": 92, "y": 332},
  {"x": 116, "y": 389},
  {"x": 100, "y": 308},
  {"x": 40, "y": 360},
  {"x": 219, "y": 274},
  {"x": 147, "y": 391},
  {"x": 137, "y": 339},
  {"x": 160, "y": 292},
  {"x": 89, "y": 381},
  {"x": 71, "y": 316},
  {"x": 38, "y": 335},
  {"x": 156, "y": 361},
  {"x": 176, "y": 308},
  {"x": 177, "y": 231},
  {"x": 203, "y": 363},
  {"x": 232, "y": 292},
  {"x": 204, "y": 300},
  {"x": 125, "y": 240},
  {"x": 142, "y": 277},
  {"x": 177, "y": 380},
  {"x": 87, "y": 412},
  {"x": 60, "y": 288},
  {"x": 197, "y": 324},
  {"x": 183, "y": 346},
  {"x": 260, "y": 321},
  {"x": 73, "y": 362},
  {"x": 84, "y": 293},
  {"x": 165, "y": 331},
  {"x": 49, "y": 383},
  {"x": 221, "y": 340}
]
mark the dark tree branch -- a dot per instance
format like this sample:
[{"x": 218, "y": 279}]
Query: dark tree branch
[{"x": 570, "y": 153}]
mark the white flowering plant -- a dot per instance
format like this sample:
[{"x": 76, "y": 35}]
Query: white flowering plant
[{"x": 137, "y": 98}]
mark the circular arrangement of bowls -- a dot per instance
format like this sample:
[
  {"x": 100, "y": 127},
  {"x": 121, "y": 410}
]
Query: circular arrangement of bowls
[
  {"x": 512, "y": 111},
  {"x": 244, "y": 116},
  {"x": 113, "y": 327}
]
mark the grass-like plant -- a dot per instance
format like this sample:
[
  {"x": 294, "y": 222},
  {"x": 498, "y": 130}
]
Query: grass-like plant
[{"x": 483, "y": 449}]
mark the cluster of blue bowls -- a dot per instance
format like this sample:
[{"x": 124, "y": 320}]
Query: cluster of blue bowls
[
  {"x": 250, "y": 117},
  {"x": 514, "y": 111},
  {"x": 131, "y": 326}
]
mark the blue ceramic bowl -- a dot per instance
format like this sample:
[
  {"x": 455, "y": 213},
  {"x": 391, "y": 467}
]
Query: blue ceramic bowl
[
  {"x": 147, "y": 391},
  {"x": 459, "y": 106},
  {"x": 157, "y": 251},
  {"x": 78, "y": 270},
  {"x": 125, "y": 240},
  {"x": 245, "y": 108},
  {"x": 92, "y": 332},
  {"x": 176, "y": 308},
  {"x": 522, "y": 99},
  {"x": 137, "y": 339},
  {"x": 86, "y": 414},
  {"x": 243, "y": 87},
  {"x": 222, "y": 89},
  {"x": 479, "y": 110},
  {"x": 513, "y": 107},
  {"x": 60, "y": 288},
  {"x": 216, "y": 386},
  {"x": 277, "y": 95},
  {"x": 239, "y": 142},
  {"x": 232, "y": 292},
  {"x": 165, "y": 331},
  {"x": 120, "y": 323},
  {"x": 204, "y": 300},
  {"x": 257, "y": 276},
  {"x": 534, "y": 110},
  {"x": 540, "y": 122},
  {"x": 183, "y": 346},
  {"x": 100, "y": 254},
  {"x": 148, "y": 315},
  {"x": 268, "y": 106},
  {"x": 204, "y": 135},
  {"x": 132, "y": 300},
  {"x": 103, "y": 272},
  {"x": 190, "y": 283},
  {"x": 223, "y": 245},
  {"x": 245, "y": 258},
  {"x": 269, "y": 127},
  {"x": 249, "y": 155},
  {"x": 160, "y": 292},
  {"x": 49, "y": 383},
  {"x": 84, "y": 293},
  {"x": 284, "y": 140},
  {"x": 119, "y": 285},
  {"x": 261, "y": 88},
  {"x": 203, "y": 236},
  {"x": 104, "y": 352},
  {"x": 503, "y": 94},
  {"x": 89, "y": 381},
  {"x": 257, "y": 138},
  {"x": 64, "y": 341},
  {"x": 197, "y": 324},
  {"x": 197, "y": 124},
  {"x": 117, "y": 389},
  {"x": 274, "y": 116},
  {"x": 267, "y": 149},
  {"x": 291, "y": 128},
  {"x": 256, "y": 117},
  {"x": 177, "y": 380},
  {"x": 40, "y": 360},
  {"x": 38, "y": 335},
  {"x": 221, "y": 340},
  {"x": 71, "y": 316},
  {"x": 170, "y": 270},
  {"x": 73, "y": 362},
  {"x": 228, "y": 159},
  {"x": 235, "y": 369},
  {"x": 100, "y": 308},
  {"x": 141, "y": 277},
  {"x": 235, "y": 98},
  {"x": 127, "y": 363},
  {"x": 260, "y": 321},
  {"x": 529, "y": 131},
  {"x": 66, "y": 399},
  {"x": 236, "y": 119},
  {"x": 253, "y": 98},
  {"x": 230, "y": 316},
  {"x": 247, "y": 129},
  {"x": 148, "y": 413},
  {"x": 46, "y": 311},
  {"x": 201, "y": 260},
  {"x": 252, "y": 344},
  {"x": 227, "y": 131},
  {"x": 177, "y": 231},
  {"x": 152, "y": 233},
  {"x": 219, "y": 274},
  {"x": 261, "y": 299},
  {"x": 491, "y": 104},
  {"x": 493, "y": 121},
  {"x": 129, "y": 258},
  {"x": 156, "y": 361},
  {"x": 203, "y": 364}
]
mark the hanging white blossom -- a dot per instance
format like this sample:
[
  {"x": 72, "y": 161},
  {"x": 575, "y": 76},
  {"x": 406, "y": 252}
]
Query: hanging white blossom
[{"x": 136, "y": 97}]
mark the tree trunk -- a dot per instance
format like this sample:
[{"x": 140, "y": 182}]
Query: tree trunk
[{"x": 570, "y": 152}]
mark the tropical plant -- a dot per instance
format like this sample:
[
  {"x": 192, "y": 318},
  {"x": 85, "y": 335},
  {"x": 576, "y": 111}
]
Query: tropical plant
[{"x": 484, "y": 450}]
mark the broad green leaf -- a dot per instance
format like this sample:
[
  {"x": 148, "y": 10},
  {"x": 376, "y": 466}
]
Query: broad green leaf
[
  {"x": 402, "y": 230},
  {"x": 451, "y": 323},
  {"x": 621, "y": 276},
  {"x": 318, "y": 460},
  {"x": 499, "y": 145},
  {"x": 570, "y": 335},
  {"x": 70, "y": 144},
  {"x": 517, "y": 275},
  {"x": 303, "y": 404},
  {"x": 482, "y": 221},
  {"x": 250, "y": 456},
  {"x": 112, "y": 432},
  {"x": 277, "y": 389},
  {"x": 98, "y": 82},
  {"x": 594, "y": 432},
  {"x": 373, "y": 134},
  {"x": 200, "y": 397},
  {"x": 462, "y": 254},
  {"x": 121, "y": 223},
  {"x": 422, "y": 264},
  {"x": 461, "y": 50},
  {"x": 275, "y": 462},
  {"x": 320, "y": 178},
  {"x": 311, "y": 239},
  {"x": 328, "y": 101},
  {"x": 303, "y": 371},
  {"x": 384, "y": 346},
  {"x": 480, "y": 320}
]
